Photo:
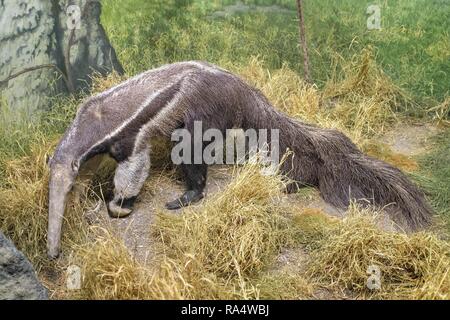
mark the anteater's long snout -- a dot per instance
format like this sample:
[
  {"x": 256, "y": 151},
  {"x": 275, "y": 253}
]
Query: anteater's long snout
[{"x": 60, "y": 184}]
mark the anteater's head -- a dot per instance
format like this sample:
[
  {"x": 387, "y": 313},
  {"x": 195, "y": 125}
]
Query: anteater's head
[{"x": 63, "y": 173}]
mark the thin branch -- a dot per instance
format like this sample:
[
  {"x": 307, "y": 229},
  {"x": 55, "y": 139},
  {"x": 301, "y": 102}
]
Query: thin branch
[
  {"x": 303, "y": 44},
  {"x": 43, "y": 66}
]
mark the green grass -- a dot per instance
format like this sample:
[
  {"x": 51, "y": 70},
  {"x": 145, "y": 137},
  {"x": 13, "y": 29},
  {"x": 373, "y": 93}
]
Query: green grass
[
  {"x": 413, "y": 46},
  {"x": 436, "y": 175},
  {"x": 19, "y": 133}
]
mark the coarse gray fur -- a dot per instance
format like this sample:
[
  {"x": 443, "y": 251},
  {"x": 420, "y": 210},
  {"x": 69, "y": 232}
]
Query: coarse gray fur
[{"x": 121, "y": 120}]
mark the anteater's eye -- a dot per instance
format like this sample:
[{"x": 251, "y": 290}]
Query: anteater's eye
[
  {"x": 48, "y": 159},
  {"x": 75, "y": 165}
]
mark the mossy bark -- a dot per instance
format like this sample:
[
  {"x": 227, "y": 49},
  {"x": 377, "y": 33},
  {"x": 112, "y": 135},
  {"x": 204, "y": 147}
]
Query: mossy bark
[{"x": 36, "y": 33}]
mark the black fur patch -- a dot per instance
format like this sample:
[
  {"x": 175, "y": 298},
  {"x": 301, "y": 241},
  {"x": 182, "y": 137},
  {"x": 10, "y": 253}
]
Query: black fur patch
[{"x": 128, "y": 203}]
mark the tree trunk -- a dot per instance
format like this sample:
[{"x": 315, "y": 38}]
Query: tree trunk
[
  {"x": 42, "y": 54},
  {"x": 303, "y": 44}
]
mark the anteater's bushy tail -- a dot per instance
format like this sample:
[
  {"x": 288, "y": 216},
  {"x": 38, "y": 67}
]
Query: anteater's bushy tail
[
  {"x": 345, "y": 174},
  {"x": 328, "y": 160},
  {"x": 372, "y": 181}
]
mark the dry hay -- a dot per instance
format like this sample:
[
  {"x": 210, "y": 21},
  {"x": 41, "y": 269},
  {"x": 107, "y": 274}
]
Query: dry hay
[
  {"x": 441, "y": 112},
  {"x": 361, "y": 101},
  {"x": 24, "y": 205},
  {"x": 211, "y": 251},
  {"x": 412, "y": 266},
  {"x": 383, "y": 152}
]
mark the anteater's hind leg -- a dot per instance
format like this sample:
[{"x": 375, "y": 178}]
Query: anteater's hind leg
[
  {"x": 128, "y": 180},
  {"x": 195, "y": 176}
]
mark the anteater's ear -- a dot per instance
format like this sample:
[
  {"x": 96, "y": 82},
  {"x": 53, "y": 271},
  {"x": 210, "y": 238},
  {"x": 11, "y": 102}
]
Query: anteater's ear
[{"x": 75, "y": 165}]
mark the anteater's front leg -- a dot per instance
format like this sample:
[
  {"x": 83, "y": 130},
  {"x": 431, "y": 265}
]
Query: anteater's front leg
[
  {"x": 128, "y": 180},
  {"x": 195, "y": 176},
  {"x": 85, "y": 176}
]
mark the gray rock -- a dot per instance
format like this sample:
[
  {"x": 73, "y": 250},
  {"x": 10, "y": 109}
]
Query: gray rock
[
  {"x": 18, "y": 279},
  {"x": 37, "y": 32}
]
